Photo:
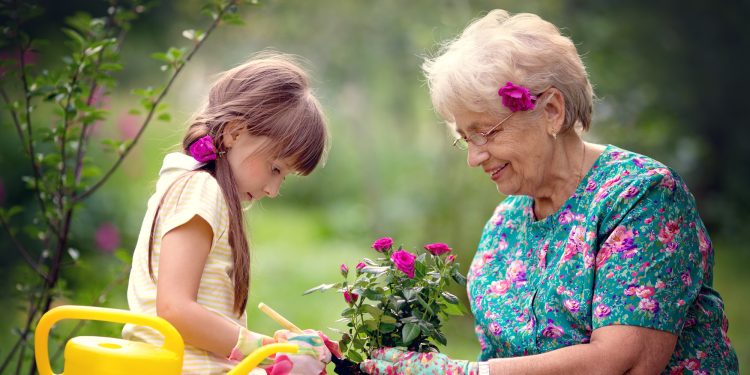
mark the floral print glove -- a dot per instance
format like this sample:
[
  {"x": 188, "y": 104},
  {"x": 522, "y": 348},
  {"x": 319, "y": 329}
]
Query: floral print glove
[
  {"x": 396, "y": 361},
  {"x": 247, "y": 342},
  {"x": 311, "y": 358}
]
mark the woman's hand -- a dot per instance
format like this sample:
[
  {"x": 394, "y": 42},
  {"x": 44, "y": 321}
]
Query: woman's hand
[
  {"x": 397, "y": 361},
  {"x": 312, "y": 357}
]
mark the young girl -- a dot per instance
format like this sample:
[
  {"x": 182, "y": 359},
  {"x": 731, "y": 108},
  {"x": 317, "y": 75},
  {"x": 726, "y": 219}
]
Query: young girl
[{"x": 191, "y": 263}]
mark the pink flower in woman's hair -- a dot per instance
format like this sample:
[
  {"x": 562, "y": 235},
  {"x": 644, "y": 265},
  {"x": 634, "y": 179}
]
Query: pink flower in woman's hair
[
  {"x": 516, "y": 98},
  {"x": 107, "y": 237},
  {"x": 382, "y": 244},
  {"x": 404, "y": 261},
  {"x": 350, "y": 297},
  {"x": 203, "y": 149},
  {"x": 437, "y": 248},
  {"x": 344, "y": 269}
]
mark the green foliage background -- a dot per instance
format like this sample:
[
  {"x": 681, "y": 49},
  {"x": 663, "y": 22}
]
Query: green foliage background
[{"x": 670, "y": 80}]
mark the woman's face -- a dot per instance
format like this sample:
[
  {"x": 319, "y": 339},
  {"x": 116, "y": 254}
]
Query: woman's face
[
  {"x": 515, "y": 157},
  {"x": 256, "y": 172}
]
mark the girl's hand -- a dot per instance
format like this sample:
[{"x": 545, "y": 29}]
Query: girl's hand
[
  {"x": 397, "y": 361},
  {"x": 247, "y": 342},
  {"x": 311, "y": 358}
]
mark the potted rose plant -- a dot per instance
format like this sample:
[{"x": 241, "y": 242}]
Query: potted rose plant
[{"x": 399, "y": 299}]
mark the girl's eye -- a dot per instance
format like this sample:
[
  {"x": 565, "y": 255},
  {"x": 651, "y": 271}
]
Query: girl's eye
[{"x": 275, "y": 171}]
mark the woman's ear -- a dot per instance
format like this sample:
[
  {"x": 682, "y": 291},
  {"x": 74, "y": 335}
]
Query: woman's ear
[{"x": 554, "y": 110}]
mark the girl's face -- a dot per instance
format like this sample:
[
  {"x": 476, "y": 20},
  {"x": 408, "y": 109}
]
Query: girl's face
[
  {"x": 257, "y": 173},
  {"x": 515, "y": 157}
]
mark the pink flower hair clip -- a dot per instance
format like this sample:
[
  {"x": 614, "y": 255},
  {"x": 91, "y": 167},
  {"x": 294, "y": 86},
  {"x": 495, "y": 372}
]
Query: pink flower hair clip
[
  {"x": 516, "y": 97},
  {"x": 203, "y": 149}
]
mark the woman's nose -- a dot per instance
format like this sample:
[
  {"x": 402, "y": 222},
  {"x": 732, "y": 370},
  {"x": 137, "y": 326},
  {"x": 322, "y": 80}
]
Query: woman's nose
[{"x": 475, "y": 155}]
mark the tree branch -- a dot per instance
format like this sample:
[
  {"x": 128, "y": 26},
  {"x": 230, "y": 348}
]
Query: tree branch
[
  {"x": 24, "y": 253},
  {"x": 155, "y": 104}
]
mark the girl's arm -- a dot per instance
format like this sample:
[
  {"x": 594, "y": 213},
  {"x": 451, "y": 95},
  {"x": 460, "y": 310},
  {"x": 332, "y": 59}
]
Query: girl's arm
[
  {"x": 184, "y": 251},
  {"x": 615, "y": 349}
]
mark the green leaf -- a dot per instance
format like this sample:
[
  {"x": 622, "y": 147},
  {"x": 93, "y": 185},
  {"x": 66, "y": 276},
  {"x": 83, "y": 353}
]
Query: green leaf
[
  {"x": 161, "y": 56},
  {"x": 409, "y": 332},
  {"x": 372, "y": 310},
  {"x": 354, "y": 356},
  {"x": 164, "y": 117},
  {"x": 321, "y": 288},
  {"x": 387, "y": 319},
  {"x": 387, "y": 327},
  {"x": 450, "y": 297}
]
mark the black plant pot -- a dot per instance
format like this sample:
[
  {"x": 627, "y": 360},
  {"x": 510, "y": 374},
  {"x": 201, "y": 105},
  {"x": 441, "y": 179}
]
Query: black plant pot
[{"x": 345, "y": 366}]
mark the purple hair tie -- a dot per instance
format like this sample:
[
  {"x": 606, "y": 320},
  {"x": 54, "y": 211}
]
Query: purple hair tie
[
  {"x": 516, "y": 97},
  {"x": 203, "y": 150}
]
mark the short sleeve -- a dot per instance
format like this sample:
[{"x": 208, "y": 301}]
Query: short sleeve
[
  {"x": 193, "y": 194},
  {"x": 648, "y": 267}
]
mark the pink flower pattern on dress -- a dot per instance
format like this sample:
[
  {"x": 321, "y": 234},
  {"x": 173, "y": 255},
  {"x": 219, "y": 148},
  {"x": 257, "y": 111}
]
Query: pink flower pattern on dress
[{"x": 627, "y": 248}]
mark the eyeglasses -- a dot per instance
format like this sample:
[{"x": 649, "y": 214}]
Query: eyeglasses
[{"x": 479, "y": 138}]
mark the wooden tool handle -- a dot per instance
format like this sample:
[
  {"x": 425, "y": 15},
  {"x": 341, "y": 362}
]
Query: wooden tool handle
[{"x": 278, "y": 318}]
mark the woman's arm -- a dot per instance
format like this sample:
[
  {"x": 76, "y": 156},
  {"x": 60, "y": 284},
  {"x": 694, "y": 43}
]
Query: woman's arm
[
  {"x": 183, "y": 255},
  {"x": 615, "y": 349}
]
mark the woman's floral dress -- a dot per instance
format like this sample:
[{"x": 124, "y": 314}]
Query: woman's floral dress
[{"x": 627, "y": 248}]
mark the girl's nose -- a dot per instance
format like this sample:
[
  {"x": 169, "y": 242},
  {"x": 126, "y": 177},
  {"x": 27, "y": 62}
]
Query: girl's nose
[
  {"x": 475, "y": 155},
  {"x": 272, "y": 189}
]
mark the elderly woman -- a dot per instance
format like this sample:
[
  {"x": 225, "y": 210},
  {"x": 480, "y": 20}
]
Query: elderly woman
[{"x": 597, "y": 261}]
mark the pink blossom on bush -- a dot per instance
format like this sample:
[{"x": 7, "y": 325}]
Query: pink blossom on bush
[
  {"x": 437, "y": 248},
  {"x": 107, "y": 237},
  {"x": 404, "y": 261},
  {"x": 344, "y": 269},
  {"x": 382, "y": 244},
  {"x": 450, "y": 259},
  {"x": 350, "y": 297},
  {"x": 361, "y": 265}
]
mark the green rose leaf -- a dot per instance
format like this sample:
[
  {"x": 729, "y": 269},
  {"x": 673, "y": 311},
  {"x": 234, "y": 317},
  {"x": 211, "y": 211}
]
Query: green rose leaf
[{"x": 409, "y": 332}]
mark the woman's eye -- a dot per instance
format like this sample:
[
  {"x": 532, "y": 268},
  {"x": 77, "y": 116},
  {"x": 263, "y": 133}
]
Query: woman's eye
[{"x": 275, "y": 170}]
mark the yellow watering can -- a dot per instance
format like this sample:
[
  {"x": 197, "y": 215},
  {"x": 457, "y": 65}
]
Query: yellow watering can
[{"x": 85, "y": 355}]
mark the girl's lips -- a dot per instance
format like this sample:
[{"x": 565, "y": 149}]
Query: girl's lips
[{"x": 495, "y": 175}]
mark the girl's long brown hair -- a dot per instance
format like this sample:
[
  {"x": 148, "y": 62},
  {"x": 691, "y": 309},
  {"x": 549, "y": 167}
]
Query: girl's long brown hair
[{"x": 267, "y": 96}]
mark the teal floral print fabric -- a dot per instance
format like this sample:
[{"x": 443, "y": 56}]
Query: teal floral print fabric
[{"x": 628, "y": 247}]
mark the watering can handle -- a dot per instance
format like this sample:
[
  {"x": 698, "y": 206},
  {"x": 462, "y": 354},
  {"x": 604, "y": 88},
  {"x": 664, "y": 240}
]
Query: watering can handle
[
  {"x": 252, "y": 360},
  {"x": 172, "y": 339}
]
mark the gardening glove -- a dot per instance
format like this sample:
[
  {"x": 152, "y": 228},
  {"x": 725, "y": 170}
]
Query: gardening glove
[
  {"x": 397, "y": 361},
  {"x": 311, "y": 358},
  {"x": 247, "y": 342}
]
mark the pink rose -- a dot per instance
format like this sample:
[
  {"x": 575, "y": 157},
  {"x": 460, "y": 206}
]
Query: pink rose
[
  {"x": 350, "y": 297},
  {"x": 437, "y": 248},
  {"x": 499, "y": 287},
  {"x": 344, "y": 270},
  {"x": 203, "y": 149},
  {"x": 361, "y": 265},
  {"x": 644, "y": 291},
  {"x": 648, "y": 304},
  {"x": 572, "y": 305},
  {"x": 602, "y": 311},
  {"x": 404, "y": 261},
  {"x": 382, "y": 244},
  {"x": 552, "y": 331},
  {"x": 516, "y": 98},
  {"x": 450, "y": 259}
]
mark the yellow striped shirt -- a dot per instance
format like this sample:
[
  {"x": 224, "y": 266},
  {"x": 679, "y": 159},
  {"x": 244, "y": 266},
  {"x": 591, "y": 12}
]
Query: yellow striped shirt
[{"x": 194, "y": 193}]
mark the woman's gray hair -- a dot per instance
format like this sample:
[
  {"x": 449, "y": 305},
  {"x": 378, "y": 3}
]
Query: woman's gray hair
[{"x": 499, "y": 48}]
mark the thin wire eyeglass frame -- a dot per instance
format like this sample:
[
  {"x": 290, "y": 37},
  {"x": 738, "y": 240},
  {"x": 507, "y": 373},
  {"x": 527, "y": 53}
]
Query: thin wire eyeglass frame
[{"x": 479, "y": 138}]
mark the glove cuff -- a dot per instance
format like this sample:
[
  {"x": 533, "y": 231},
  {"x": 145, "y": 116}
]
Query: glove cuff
[{"x": 247, "y": 342}]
